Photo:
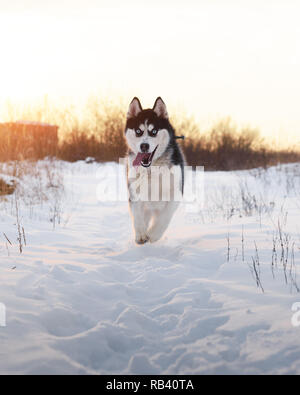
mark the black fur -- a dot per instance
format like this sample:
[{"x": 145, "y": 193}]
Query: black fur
[{"x": 158, "y": 122}]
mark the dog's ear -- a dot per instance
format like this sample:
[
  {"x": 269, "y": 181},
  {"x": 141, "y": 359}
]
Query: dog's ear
[
  {"x": 134, "y": 108},
  {"x": 160, "y": 108}
]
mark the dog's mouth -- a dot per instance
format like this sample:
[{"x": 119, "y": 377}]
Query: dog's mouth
[{"x": 144, "y": 158}]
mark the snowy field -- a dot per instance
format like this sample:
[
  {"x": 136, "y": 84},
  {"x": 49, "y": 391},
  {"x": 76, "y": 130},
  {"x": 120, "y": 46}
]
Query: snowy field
[{"x": 214, "y": 296}]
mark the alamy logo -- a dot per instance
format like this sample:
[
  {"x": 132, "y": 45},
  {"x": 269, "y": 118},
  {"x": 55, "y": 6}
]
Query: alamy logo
[
  {"x": 296, "y": 316},
  {"x": 164, "y": 184},
  {"x": 2, "y": 315}
]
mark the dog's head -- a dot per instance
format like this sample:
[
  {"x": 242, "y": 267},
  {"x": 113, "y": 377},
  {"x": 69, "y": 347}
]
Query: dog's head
[{"x": 148, "y": 132}]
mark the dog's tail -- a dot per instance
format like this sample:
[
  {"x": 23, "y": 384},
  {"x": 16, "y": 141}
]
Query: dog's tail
[{"x": 180, "y": 137}]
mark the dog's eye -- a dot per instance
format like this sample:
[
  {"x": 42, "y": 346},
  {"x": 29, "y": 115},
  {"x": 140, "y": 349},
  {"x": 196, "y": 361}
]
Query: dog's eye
[
  {"x": 138, "y": 132},
  {"x": 153, "y": 132}
]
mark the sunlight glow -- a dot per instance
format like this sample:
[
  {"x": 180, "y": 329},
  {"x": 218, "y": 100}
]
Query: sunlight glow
[{"x": 209, "y": 58}]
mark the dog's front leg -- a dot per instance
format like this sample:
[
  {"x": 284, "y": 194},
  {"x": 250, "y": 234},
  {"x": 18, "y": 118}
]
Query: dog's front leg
[
  {"x": 161, "y": 220},
  {"x": 140, "y": 221}
]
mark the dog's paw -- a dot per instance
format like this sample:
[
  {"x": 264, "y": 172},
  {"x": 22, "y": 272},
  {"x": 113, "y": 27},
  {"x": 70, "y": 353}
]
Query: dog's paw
[
  {"x": 141, "y": 239},
  {"x": 154, "y": 237}
]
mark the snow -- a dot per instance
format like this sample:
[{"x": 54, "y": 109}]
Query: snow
[{"x": 82, "y": 298}]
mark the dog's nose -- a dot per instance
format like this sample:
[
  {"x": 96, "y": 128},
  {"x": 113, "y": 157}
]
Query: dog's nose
[{"x": 145, "y": 147}]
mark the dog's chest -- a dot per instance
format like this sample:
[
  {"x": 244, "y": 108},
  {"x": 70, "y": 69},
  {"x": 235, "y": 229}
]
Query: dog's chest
[{"x": 157, "y": 183}]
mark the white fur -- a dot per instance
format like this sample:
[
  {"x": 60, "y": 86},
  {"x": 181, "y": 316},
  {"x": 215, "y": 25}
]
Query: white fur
[
  {"x": 161, "y": 139},
  {"x": 151, "y": 218}
]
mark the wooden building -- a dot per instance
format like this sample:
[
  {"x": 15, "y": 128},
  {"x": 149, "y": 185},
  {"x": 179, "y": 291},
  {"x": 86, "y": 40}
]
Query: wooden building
[{"x": 27, "y": 140}]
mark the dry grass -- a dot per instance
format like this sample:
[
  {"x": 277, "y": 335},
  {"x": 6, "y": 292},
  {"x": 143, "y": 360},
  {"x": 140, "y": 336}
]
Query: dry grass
[{"x": 99, "y": 133}]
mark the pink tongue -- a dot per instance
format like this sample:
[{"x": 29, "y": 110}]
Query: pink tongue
[{"x": 141, "y": 156}]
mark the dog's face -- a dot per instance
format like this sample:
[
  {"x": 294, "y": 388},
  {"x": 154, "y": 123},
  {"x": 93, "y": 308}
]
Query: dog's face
[{"x": 147, "y": 131}]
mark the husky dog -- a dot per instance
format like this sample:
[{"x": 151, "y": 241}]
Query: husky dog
[{"x": 152, "y": 145}]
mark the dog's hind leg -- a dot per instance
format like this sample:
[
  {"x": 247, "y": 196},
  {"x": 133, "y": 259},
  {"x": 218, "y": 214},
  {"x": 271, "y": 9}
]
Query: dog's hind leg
[{"x": 162, "y": 220}]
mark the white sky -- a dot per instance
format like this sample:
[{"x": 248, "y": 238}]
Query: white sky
[{"x": 211, "y": 58}]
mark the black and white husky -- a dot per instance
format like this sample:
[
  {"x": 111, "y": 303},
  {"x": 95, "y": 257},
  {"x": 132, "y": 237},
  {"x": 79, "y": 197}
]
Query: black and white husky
[{"x": 152, "y": 145}]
